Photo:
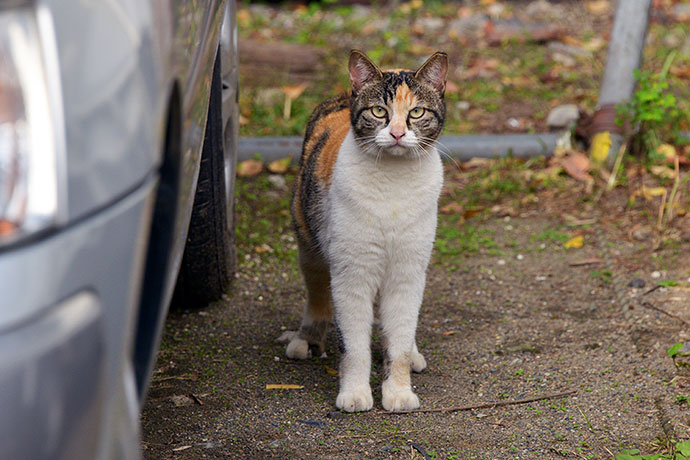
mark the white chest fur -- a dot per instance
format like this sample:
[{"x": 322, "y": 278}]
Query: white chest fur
[{"x": 381, "y": 201}]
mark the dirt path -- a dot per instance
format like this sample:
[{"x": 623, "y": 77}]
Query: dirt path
[{"x": 510, "y": 318}]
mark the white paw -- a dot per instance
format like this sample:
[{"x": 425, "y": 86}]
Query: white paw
[
  {"x": 298, "y": 349},
  {"x": 355, "y": 401},
  {"x": 399, "y": 399},
  {"x": 417, "y": 361}
]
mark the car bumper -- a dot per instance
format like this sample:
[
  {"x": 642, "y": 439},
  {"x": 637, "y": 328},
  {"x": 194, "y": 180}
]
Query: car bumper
[{"x": 67, "y": 318}]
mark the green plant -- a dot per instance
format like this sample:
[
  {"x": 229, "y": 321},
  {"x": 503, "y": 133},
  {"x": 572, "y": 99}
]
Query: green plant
[
  {"x": 653, "y": 113},
  {"x": 675, "y": 351},
  {"x": 681, "y": 451}
]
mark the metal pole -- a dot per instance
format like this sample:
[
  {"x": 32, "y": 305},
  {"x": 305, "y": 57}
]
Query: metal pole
[
  {"x": 460, "y": 148},
  {"x": 624, "y": 56}
]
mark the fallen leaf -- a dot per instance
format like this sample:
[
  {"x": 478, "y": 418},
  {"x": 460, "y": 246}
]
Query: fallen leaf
[
  {"x": 574, "y": 243},
  {"x": 667, "y": 150},
  {"x": 447, "y": 333},
  {"x": 283, "y": 386},
  {"x": 279, "y": 166},
  {"x": 476, "y": 162},
  {"x": 249, "y": 168},
  {"x": 263, "y": 248},
  {"x": 470, "y": 213},
  {"x": 451, "y": 208},
  {"x": 576, "y": 165},
  {"x": 331, "y": 371},
  {"x": 662, "y": 171},
  {"x": 599, "y": 6},
  {"x": 680, "y": 71}
]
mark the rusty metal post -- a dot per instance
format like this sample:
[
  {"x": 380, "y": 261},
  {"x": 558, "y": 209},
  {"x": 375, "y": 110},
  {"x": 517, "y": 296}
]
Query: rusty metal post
[{"x": 624, "y": 56}]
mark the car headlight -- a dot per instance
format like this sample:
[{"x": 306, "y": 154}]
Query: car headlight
[{"x": 32, "y": 153}]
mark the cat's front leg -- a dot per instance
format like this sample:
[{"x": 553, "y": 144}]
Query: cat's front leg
[
  {"x": 401, "y": 297},
  {"x": 353, "y": 296}
]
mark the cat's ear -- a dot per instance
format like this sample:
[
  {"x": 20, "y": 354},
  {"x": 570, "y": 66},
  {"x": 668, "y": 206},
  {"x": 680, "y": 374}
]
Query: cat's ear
[
  {"x": 362, "y": 70},
  {"x": 433, "y": 71}
]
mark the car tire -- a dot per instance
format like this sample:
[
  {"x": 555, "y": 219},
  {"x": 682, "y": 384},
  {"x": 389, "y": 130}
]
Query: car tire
[{"x": 209, "y": 260}]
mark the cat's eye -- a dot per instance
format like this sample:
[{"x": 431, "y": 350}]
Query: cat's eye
[
  {"x": 378, "y": 111},
  {"x": 416, "y": 112}
]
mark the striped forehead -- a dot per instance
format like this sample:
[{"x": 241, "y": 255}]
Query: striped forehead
[{"x": 397, "y": 90}]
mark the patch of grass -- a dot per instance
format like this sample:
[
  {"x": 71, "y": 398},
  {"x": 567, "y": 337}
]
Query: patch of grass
[
  {"x": 452, "y": 241},
  {"x": 605, "y": 276},
  {"x": 550, "y": 235}
]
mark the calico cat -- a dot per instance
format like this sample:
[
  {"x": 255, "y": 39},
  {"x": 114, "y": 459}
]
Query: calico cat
[{"x": 364, "y": 210}]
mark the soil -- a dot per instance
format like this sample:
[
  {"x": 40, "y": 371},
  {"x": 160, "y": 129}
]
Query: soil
[{"x": 517, "y": 316}]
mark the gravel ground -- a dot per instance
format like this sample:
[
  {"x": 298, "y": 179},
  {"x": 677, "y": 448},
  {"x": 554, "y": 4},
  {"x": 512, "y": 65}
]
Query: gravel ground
[{"x": 516, "y": 318}]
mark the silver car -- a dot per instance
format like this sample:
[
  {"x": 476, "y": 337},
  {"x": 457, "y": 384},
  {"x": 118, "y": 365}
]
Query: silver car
[{"x": 118, "y": 133}]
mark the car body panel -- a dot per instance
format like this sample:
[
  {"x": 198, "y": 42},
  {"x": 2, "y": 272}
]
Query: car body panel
[{"x": 119, "y": 63}]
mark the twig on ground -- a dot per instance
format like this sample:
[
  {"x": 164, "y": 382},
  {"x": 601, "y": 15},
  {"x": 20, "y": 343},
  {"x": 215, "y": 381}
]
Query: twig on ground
[
  {"x": 590, "y": 261},
  {"x": 671, "y": 315},
  {"x": 658, "y": 286},
  {"x": 421, "y": 450},
  {"x": 482, "y": 405}
]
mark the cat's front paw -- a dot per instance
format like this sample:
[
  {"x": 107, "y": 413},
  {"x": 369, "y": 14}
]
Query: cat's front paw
[
  {"x": 358, "y": 400},
  {"x": 397, "y": 399},
  {"x": 417, "y": 361},
  {"x": 298, "y": 348}
]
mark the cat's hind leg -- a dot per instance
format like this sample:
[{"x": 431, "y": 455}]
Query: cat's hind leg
[
  {"x": 417, "y": 361},
  {"x": 318, "y": 312}
]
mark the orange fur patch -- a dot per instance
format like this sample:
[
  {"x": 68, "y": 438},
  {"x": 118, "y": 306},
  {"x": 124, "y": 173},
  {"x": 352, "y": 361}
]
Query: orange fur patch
[
  {"x": 338, "y": 124},
  {"x": 405, "y": 100}
]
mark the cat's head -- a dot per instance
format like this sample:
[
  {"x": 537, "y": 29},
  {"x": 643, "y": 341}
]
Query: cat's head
[{"x": 397, "y": 112}]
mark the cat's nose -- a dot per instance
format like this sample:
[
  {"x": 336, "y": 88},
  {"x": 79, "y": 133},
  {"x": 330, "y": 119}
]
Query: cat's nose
[{"x": 397, "y": 134}]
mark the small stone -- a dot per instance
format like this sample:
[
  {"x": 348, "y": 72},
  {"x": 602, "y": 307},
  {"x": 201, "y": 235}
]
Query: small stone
[
  {"x": 501, "y": 262},
  {"x": 462, "y": 106},
  {"x": 642, "y": 233},
  {"x": 562, "y": 116},
  {"x": 520, "y": 257},
  {"x": 276, "y": 359},
  {"x": 656, "y": 274},
  {"x": 181, "y": 400},
  {"x": 513, "y": 123},
  {"x": 637, "y": 283},
  {"x": 277, "y": 181}
]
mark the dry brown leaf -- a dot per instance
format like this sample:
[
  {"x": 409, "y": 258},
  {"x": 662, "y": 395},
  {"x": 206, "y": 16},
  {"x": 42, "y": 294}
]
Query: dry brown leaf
[
  {"x": 680, "y": 71},
  {"x": 599, "y": 6},
  {"x": 576, "y": 165},
  {"x": 249, "y": 168},
  {"x": 447, "y": 333},
  {"x": 263, "y": 248},
  {"x": 470, "y": 213},
  {"x": 279, "y": 166},
  {"x": 451, "y": 208},
  {"x": 662, "y": 171},
  {"x": 283, "y": 386}
]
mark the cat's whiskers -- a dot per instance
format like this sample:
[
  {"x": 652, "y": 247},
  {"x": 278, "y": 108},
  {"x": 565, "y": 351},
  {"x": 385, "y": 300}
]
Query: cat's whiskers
[{"x": 442, "y": 149}]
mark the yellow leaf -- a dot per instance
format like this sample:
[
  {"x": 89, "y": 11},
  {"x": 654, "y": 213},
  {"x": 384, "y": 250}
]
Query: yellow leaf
[
  {"x": 279, "y": 166},
  {"x": 667, "y": 150},
  {"x": 653, "y": 191},
  {"x": 331, "y": 371},
  {"x": 575, "y": 242},
  {"x": 283, "y": 386}
]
